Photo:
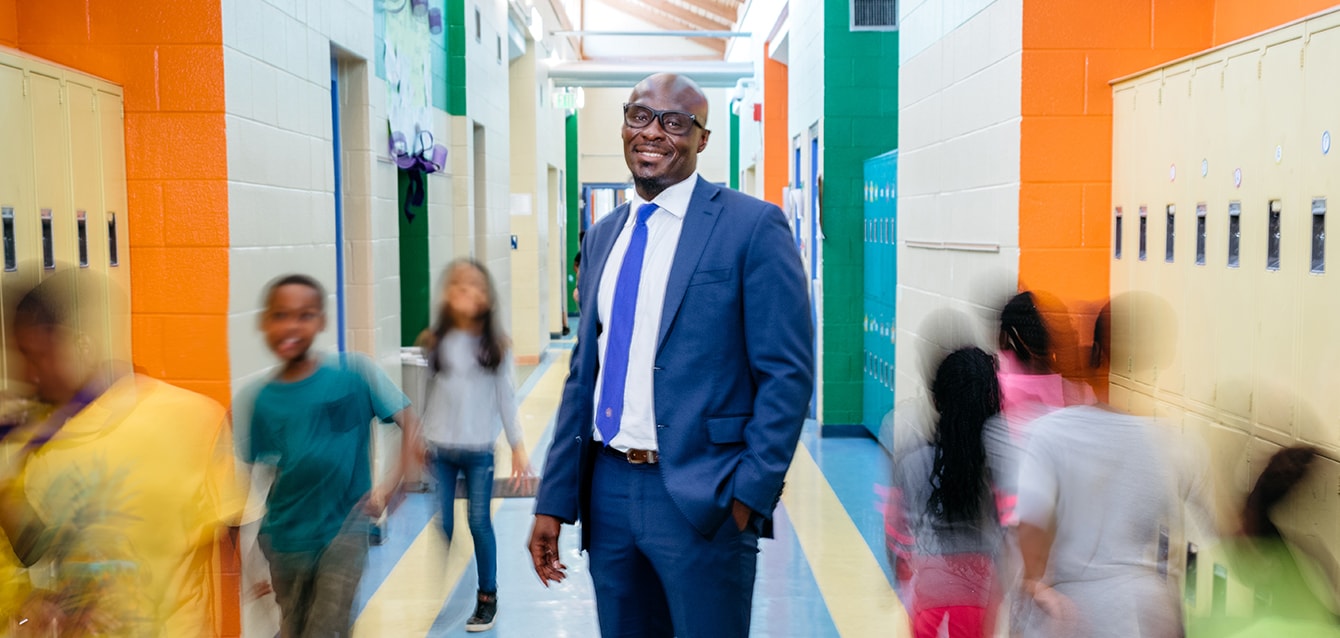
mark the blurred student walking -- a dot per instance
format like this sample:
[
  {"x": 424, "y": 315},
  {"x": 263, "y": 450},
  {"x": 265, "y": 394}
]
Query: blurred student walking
[{"x": 470, "y": 399}]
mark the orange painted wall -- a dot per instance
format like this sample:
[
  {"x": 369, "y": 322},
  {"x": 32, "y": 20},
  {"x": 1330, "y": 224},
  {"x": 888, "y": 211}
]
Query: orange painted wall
[
  {"x": 1237, "y": 19},
  {"x": 168, "y": 57},
  {"x": 1071, "y": 51},
  {"x": 9, "y": 23},
  {"x": 775, "y": 142}
]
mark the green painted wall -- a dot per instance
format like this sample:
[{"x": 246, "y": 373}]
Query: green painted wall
[
  {"x": 415, "y": 292},
  {"x": 860, "y": 122},
  {"x": 455, "y": 75},
  {"x": 574, "y": 191}
]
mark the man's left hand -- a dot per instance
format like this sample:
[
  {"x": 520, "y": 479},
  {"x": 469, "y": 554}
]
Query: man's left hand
[{"x": 741, "y": 513}]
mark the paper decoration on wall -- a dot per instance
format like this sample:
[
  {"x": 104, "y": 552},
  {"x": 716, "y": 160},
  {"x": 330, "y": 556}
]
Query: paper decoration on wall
[{"x": 409, "y": 86}]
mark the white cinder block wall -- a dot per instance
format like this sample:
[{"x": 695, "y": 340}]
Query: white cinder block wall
[
  {"x": 487, "y": 105},
  {"x": 277, "y": 65},
  {"x": 805, "y": 109},
  {"x": 958, "y": 174},
  {"x": 443, "y": 192},
  {"x": 538, "y": 141}
]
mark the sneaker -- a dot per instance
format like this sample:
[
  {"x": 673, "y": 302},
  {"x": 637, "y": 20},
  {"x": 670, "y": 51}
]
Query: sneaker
[{"x": 485, "y": 610}]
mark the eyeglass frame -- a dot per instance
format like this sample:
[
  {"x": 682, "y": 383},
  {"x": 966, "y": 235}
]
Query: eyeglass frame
[{"x": 656, "y": 116}]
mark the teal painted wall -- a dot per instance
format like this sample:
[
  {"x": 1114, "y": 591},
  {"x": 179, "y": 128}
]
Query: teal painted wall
[
  {"x": 734, "y": 150},
  {"x": 860, "y": 122}
]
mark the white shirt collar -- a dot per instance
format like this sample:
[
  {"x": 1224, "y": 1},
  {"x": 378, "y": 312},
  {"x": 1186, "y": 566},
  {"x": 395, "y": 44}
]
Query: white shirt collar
[{"x": 673, "y": 200}]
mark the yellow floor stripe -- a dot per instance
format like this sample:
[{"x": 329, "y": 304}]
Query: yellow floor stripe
[
  {"x": 412, "y": 596},
  {"x": 849, "y": 576}
]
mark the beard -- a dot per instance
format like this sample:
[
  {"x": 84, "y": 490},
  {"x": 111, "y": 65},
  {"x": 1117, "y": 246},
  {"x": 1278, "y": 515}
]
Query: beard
[{"x": 652, "y": 186}]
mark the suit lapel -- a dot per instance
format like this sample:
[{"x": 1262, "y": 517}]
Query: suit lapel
[{"x": 699, "y": 220}]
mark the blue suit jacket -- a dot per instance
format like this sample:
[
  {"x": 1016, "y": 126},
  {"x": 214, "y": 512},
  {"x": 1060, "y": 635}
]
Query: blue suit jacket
[{"x": 734, "y": 366}]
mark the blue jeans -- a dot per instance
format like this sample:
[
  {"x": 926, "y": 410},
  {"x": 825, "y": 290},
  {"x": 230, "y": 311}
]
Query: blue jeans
[{"x": 447, "y": 464}]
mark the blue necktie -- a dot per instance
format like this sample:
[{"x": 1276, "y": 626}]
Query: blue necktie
[{"x": 609, "y": 414}]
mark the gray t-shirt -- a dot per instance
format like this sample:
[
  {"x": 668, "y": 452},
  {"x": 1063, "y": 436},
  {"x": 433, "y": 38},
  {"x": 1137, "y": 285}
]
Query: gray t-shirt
[
  {"x": 467, "y": 404},
  {"x": 1108, "y": 485}
]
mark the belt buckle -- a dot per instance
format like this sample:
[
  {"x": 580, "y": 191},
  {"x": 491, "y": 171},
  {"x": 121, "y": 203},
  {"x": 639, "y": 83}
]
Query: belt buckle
[{"x": 641, "y": 457}]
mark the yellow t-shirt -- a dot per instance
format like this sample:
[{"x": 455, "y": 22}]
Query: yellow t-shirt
[{"x": 136, "y": 488}]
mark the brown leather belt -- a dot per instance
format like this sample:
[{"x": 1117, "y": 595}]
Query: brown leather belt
[{"x": 635, "y": 457}]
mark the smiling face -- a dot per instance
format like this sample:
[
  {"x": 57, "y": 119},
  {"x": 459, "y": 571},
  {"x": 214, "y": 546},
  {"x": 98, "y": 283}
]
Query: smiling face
[
  {"x": 292, "y": 320},
  {"x": 658, "y": 159}
]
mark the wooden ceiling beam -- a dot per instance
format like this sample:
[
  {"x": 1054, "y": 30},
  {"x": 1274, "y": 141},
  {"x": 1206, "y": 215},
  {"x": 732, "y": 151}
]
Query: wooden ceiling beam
[
  {"x": 686, "y": 16},
  {"x": 644, "y": 12},
  {"x": 729, "y": 14}
]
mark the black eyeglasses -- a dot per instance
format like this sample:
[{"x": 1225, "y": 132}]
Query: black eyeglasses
[{"x": 672, "y": 122}]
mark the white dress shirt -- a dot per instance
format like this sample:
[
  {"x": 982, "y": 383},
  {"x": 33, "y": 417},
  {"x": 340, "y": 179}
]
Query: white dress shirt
[{"x": 637, "y": 430}]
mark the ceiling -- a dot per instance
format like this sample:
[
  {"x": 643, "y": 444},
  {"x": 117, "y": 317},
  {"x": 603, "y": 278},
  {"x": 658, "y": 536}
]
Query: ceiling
[{"x": 649, "y": 16}]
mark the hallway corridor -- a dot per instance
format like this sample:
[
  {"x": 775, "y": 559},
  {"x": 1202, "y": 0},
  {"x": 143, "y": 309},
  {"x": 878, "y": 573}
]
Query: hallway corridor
[{"x": 824, "y": 575}]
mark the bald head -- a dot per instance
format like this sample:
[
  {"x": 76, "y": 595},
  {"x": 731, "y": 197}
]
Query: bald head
[
  {"x": 683, "y": 89},
  {"x": 658, "y": 155}
]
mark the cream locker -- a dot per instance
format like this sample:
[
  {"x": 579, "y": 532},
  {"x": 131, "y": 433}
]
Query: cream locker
[
  {"x": 1235, "y": 326},
  {"x": 17, "y": 198},
  {"x": 1278, "y": 263},
  {"x": 86, "y": 185},
  {"x": 66, "y": 133},
  {"x": 111, "y": 224},
  {"x": 1318, "y": 364},
  {"x": 1124, "y": 162},
  {"x": 1146, "y": 180},
  {"x": 1206, "y": 207},
  {"x": 1175, "y": 129}
]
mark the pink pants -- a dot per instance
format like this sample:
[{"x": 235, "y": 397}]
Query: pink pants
[{"x": 963, "y": 622}]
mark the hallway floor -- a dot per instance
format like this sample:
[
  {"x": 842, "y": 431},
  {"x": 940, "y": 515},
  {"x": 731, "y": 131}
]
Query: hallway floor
[{"x": 824, "y": 575}]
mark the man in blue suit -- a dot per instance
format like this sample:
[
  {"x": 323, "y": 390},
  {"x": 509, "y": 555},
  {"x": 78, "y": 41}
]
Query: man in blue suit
[{"x": 688, "y": 388}]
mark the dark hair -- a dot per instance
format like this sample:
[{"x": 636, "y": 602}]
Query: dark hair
[
  {"x": 295, "y": 279},
  {"x": 966, "y": 394},
  {"x": 492, "y": 342},
  {"x": 1022, "y": 330},
  {"x": 577, "y": 260},
  {"x": 1285, "y": 469},
  {"x": 53, "y": 301}
]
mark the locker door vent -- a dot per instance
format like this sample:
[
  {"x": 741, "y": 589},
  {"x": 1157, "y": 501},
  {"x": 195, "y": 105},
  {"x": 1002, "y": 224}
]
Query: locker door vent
[
  {"x": 7, "y": 224},
  {"x": 81, "y": 220},
  {"x": 1201, "y": 235},
  {"x": 1234, "y": 234},
  {"x": 48, "y": 241},
  {"x": 112, "y": 258}
]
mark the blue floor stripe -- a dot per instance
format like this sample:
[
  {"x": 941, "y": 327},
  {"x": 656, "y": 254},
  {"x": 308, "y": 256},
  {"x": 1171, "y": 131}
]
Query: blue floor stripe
[{"x": 859, "y": 472}]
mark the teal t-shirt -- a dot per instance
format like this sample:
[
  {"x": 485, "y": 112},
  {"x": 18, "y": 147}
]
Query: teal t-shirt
[{"x": 316, "y": 433}]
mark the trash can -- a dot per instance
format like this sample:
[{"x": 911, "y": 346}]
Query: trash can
[{"x": 414, "y": 381}]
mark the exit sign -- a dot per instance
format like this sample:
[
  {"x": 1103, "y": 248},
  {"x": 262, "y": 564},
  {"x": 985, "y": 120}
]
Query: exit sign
[{"x": 564, "y": 101}]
